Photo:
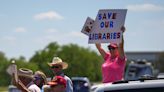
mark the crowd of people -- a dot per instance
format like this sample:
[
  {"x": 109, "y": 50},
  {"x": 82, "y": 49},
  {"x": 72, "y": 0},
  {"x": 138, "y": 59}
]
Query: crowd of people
[
  {"x": 37, "y": 82},
  {"x": 112, "y": 70}
]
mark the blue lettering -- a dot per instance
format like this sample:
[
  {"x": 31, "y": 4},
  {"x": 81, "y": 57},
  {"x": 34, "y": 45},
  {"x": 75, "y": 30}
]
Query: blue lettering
[
  {"x": 114, "y": 35},
  {"x": 104, "y": 36},
  {"x": 96, "y": 36},
  {"x": 100, "y": 17},
  {"x": 111, "y": 24},
  {"x": 102, "y": 24},
  {"x": 91, "y": 36},
  {"x": 111, "y": 35}
]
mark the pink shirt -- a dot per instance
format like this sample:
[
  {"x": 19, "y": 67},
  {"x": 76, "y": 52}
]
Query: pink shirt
[{"x": 113, "y": 68}]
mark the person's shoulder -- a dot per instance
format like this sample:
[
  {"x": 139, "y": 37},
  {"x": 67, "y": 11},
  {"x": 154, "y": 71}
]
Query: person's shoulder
[
  {"x": 34, "y": 88},
  {"x": 122, "y": 59},
  {"x": 107, "y": 55},
  {"x": 66, "y": 77}
]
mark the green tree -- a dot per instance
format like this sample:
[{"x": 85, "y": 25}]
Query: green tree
[
  {"x": 82, "y": 61},
  {"x": 42, "y": 57},
  {"x": 21, "y": 62},
  {"x": 5, "y": 80}
]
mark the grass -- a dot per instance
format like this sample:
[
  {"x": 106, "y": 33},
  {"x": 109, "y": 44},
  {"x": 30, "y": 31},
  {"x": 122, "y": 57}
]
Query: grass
[{"x": 3, "y": 89}]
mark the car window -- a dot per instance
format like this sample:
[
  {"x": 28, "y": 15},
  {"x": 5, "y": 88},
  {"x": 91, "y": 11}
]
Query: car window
[{"x": 140, "y": 90}]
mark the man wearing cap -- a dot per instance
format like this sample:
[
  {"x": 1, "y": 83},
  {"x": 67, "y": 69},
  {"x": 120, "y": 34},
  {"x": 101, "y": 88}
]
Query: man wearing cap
[
  {"x": 58, "y": 84},
  {"x": 57, "y": 67},
  {"x": 114, "y": 61}
]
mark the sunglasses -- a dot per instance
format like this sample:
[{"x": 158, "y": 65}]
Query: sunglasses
[
  {"x": 56, "y": 67},
  {"x": 111, "y": 48},
  {"x": 37, "y": 78}
]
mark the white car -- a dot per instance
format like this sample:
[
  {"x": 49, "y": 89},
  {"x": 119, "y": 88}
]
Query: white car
[{"x": 143, "y": 85}]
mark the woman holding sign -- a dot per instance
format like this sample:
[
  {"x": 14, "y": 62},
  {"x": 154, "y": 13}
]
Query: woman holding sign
[{"x": 114, "y": 61}]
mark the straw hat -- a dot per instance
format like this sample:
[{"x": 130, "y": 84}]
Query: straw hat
[
  {"x": 25, "y": 73},
  {"x": 58, "y": 61}
]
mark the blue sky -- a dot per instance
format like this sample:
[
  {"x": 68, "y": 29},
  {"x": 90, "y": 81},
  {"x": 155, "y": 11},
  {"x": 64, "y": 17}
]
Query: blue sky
[{"x": 27, "y": 26}]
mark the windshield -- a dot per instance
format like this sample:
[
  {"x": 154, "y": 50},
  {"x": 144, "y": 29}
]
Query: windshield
[{"x": 135, "y": 72}]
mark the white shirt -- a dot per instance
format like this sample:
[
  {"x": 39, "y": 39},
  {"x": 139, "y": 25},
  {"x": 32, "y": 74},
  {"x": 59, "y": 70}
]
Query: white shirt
[{"x": 34, "y": 88}]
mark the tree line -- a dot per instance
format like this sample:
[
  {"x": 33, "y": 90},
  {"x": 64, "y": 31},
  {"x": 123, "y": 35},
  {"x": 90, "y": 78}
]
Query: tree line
[{"x": 82, "y": 62}]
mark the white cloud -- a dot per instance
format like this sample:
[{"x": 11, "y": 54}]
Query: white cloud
[
  {"x": 145, "y": 7},
  {"x": 20, "y": 29},
  {"x": 50, "y": 15}
]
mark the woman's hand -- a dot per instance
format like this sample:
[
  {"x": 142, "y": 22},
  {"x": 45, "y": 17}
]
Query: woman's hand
[{"x": 123, "y": 29}]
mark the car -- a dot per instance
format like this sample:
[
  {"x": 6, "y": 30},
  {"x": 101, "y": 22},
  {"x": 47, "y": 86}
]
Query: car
[
  {"x": 137, "y": 69},
  {"x": 81, "y": 84},
  {"x": 142, "y": 85}
]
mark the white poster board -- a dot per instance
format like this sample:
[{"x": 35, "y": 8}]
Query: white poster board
[
  {"x": 106, "y": 28},
  {"x": 12, "y": 69},
  {"x": 87, "y": 26}
]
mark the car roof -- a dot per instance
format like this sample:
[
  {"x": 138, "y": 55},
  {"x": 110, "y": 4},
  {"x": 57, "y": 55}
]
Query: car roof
[{"x": 130, "y": 85}]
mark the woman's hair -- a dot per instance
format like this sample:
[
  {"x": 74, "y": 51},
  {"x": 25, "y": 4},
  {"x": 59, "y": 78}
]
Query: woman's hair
[{"x": 43, "y": 76}]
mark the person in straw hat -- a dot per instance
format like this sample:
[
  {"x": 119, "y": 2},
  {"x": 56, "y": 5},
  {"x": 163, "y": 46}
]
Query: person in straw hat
[
  {"x": 57, "y": 66},
  {"x": 25, "y": 81}
]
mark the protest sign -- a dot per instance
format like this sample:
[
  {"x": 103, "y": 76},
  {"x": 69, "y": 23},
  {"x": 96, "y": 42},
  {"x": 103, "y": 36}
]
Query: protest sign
[
  {"x": 12, "y": 70},
  {"x": 106, "y": 28},
  {"x": 87, "y": 26}
]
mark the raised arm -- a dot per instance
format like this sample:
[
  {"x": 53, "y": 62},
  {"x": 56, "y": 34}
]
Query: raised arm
[
  {"x": 100, "y": 49},
  {"x": 121, "y": 45}
]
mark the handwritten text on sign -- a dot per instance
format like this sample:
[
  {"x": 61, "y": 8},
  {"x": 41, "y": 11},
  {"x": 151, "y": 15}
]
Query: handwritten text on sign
[{"x": 107, "y": 26}]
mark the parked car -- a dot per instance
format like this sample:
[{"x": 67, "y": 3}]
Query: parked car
[
  {"x": 141, "y": 85},
  {"x": 81, "y": 84},
  {"x": 137, "y": 69}
]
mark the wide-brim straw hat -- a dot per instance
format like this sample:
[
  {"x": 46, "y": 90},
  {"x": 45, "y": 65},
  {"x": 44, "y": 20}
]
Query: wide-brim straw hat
[
  {"x": 58, "y": 61},
  {"x": 25, "y": 73}
]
